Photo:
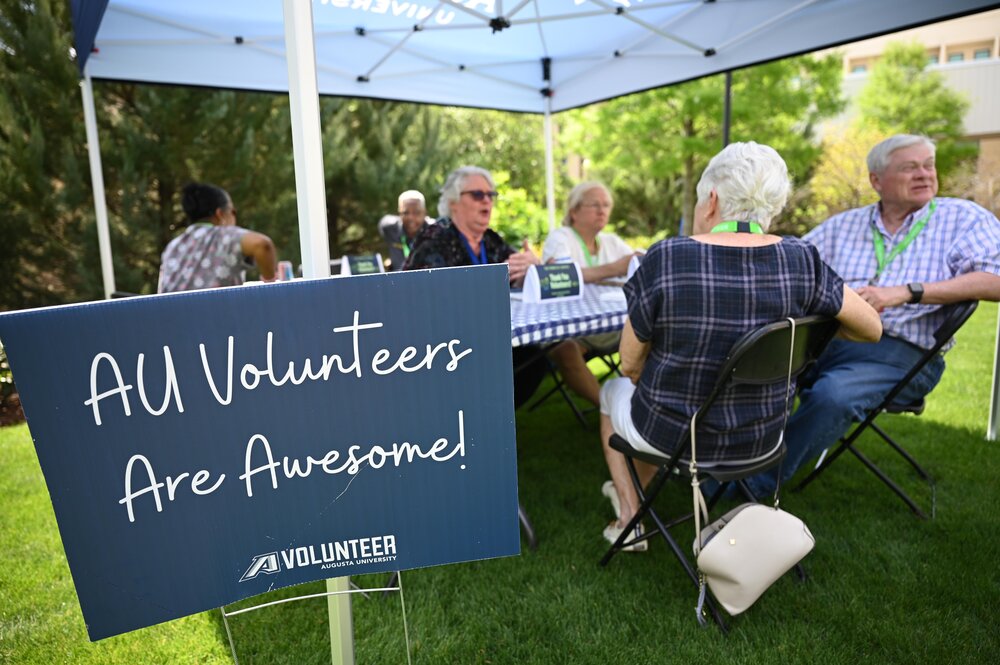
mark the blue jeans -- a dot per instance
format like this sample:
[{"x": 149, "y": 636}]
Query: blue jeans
[{"x": 849, "y": 379}]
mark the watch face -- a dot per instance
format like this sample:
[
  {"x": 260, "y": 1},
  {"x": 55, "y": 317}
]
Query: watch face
[{"x": 916, "y": 291}]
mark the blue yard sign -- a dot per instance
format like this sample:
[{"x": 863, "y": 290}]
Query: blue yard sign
[{"x": 204, "y": 447}]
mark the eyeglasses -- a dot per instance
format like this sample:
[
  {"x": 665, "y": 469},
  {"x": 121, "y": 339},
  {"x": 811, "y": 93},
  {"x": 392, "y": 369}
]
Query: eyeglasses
[
  {"x": 596, "y": 206},
  {"x": 480, "y": 195}
]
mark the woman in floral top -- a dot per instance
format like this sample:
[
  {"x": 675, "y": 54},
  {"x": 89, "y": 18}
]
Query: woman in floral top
[{"x": 212, "y": 251}]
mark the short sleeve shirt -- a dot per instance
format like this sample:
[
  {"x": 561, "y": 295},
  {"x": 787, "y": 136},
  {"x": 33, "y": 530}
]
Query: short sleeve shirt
[
  {"x": 960, "y": 237},
  {"x": 692, "y": 301},
  {"x": 203, "y": 257},
  {"x": 563, "y": 243},
  {"x": 439, "y": 246}
]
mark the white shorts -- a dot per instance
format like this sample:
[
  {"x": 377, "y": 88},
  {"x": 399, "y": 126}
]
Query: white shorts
[{"x": 616, "y": 403}]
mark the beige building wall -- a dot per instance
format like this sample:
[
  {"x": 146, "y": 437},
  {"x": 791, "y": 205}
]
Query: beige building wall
[{"x": 964, "y": 36}]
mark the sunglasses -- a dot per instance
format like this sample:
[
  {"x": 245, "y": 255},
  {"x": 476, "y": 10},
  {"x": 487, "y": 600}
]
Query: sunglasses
[{"x": 480, "y": 195}]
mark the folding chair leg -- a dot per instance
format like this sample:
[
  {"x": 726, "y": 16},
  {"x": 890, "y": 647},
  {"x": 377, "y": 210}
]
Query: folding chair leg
[
  {"x": 827, "y": 461},
  {"x": 902, "y": 451},
  {"x": 529, "y": 530},
  {"x": 560, "y": 387},
  {"x": 645, "y": 509},
  {"x": 889, "y": 482}
]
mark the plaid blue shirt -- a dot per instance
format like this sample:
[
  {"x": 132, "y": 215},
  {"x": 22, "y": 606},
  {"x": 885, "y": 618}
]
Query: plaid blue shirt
[
  {"x": 959, "y": 238},
  {"x": 692, "y": 301}
]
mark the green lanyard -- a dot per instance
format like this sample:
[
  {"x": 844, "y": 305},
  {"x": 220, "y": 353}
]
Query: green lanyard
[
  {"x": 405, "y": 245},
  {"x": 738, "y": 227},
  {"x": 880, "y": 257},
  {"x": 591, "y": 261}
]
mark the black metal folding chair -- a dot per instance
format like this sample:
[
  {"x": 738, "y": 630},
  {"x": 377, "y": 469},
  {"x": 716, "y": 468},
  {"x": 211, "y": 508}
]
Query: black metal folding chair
[
  {"x": 958, "y": 314},
  {"x": 607, "y": 356},
  {"x": 759, "y": 358}
]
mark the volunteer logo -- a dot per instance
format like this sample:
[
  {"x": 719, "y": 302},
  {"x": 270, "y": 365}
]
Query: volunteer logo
[
  {"x": 262, "y": 563},
  {"x": 339, "y": 554}
]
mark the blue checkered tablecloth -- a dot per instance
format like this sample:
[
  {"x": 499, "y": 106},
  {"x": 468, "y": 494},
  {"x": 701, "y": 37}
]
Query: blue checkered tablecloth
[{"x": 601, "y": 309}]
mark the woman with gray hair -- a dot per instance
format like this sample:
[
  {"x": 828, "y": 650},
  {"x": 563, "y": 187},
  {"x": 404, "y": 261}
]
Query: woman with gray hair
[
  {"x": 601, "y": 255},
  {"x": 689, "y": 302},
  {"x": 582, "y": 238},
  {"x": 463, "y": 237}
]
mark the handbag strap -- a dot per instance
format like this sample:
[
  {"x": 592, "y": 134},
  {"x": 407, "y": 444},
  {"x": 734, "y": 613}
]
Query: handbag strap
[
  {"x": 788, "y": 407},
  {"x": 698, "y": 499}
]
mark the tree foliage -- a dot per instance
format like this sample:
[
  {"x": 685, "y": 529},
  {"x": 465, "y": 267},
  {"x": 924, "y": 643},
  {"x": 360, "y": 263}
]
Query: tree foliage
[
  {"x": 651, "y": 147},
  {"x": 840, "y": 181},
  {"x": 44, "y": 181},
  {"x": 903, "y": 96}
]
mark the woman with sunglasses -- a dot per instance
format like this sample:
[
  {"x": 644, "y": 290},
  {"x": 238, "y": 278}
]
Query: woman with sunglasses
[
  {"x": 213, "y": 251},
  {"x": 463, "y": 237}
]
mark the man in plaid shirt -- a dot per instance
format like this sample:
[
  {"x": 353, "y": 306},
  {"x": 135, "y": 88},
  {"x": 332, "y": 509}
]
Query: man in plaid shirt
[{"x": 905, "y": 255}]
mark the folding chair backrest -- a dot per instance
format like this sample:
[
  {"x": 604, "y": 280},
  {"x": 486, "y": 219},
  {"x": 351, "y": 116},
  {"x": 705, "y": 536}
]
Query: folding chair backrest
[
  {"x": 958, "y": 314},
  {"x": 761, "y": 356}
]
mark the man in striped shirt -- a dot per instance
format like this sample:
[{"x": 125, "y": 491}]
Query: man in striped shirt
[{"x": 906, "y": 256}]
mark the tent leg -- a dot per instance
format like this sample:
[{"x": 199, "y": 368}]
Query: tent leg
[
  {"x": 310, "y": 192},
  {"x": 307, "y": 138},
  {"x": 341, "y": 628},
  {"x": 727, "y": 109},
  {"x": 97, "y": 182},
  {"x": 550, "y": 189},
  {"x": 994, "y": 424}
]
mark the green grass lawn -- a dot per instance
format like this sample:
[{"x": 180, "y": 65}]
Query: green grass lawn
[{"x": 884, "y": 586}]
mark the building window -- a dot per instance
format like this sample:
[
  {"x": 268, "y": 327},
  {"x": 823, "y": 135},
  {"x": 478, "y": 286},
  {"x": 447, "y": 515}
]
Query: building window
[
  {"x": 981, "y": 54},
  {"x": 858, "y": 69},
  {"x": 933, "y": 59},
  {"x": 956, "y": 57}
]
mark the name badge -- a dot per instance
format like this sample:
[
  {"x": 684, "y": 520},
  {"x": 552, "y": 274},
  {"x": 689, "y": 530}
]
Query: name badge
[
  {"x": 365, "y": 264},
  {"x": 553, "y": 282}
]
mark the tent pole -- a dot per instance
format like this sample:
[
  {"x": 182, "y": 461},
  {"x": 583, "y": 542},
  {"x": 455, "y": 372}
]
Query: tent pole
[
  {"x": 994, "y": 424},
  {"x": 550, "y": 188},
  {"x": 307, "y": 139},
  {"x": 310, "y": 191},
  {"x": 727, "y": 109},
  {"x": 97, "y": 182}
]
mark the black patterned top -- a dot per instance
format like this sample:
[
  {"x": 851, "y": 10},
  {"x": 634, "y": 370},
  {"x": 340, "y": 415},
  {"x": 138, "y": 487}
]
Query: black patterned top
[
  {"x": 692, "y": 301},
  {"x": 439, "y": 246}
]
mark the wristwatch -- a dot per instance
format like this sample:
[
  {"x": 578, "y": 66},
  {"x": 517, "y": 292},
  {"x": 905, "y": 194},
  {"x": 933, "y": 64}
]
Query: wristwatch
[{"x": 916, "y": 292}]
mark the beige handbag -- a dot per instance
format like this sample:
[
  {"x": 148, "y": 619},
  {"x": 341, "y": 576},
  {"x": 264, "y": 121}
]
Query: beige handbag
[{"x": 743, "y": 552}]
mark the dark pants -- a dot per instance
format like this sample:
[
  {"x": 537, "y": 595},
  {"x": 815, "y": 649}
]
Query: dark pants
[
  {"x": 849, "y": 380},
  {"x": 530, "y": 367}
]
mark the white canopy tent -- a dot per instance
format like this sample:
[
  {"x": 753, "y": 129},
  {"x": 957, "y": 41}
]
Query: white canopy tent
[
  {"x": 536, "y": 56},
  {"x": 484, "y": 53}
]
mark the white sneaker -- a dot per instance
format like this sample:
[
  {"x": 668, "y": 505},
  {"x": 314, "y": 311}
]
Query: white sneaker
[
  {"x": 612, "y": 531},
  {"x": 608, "y": 490}
]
